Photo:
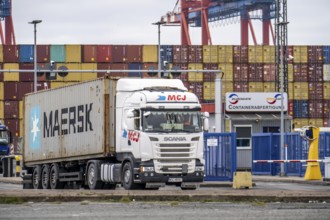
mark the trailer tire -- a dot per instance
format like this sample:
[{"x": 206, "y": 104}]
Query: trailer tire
[
  {"x": 45, "y": 177},
  {"x": 36, "y": 177},
  {"x": 92, "y": 180},
  {"x": 54, "y": 177},
  {"x": 128, "y": 177}
]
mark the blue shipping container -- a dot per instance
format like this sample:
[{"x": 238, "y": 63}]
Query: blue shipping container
[
  {"x": 26, "y": 53},
  {"x": 326, "y": 54},
  {"x": 300, "y": 109},
  {"x": 135, "y": 66},
  {"x": 166, "y": 53},
  {"x": 57, "y": 53}
]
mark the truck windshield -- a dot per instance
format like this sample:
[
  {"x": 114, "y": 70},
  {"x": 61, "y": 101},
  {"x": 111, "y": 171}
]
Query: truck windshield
[
  {"x": 4, "y": 137},
  {"x": 171, "y": 121}
]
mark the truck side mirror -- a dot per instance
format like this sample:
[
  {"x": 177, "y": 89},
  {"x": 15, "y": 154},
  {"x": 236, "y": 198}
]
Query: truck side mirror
[{"x": 206, "y": 124}]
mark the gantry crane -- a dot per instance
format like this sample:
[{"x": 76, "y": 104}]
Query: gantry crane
[
  {"x": 198, "y": 13},
  {"x": 7, "y": 37}
]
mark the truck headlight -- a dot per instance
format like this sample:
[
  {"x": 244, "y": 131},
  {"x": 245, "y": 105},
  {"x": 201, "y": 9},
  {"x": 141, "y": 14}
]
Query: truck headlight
[
  {"x": 199, "y": 168},
  {"x": 147, "y": 169}
]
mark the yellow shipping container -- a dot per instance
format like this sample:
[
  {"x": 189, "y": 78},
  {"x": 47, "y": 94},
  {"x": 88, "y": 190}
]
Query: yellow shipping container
[
  {"x": 300, "y": 90},
  {"x": 73, "y": 53},
  {"x": 269, "y": 54},
  {"x": 255, "y": 54},
  {"x": 227, "y": 68},
  {"x": 300, "y": 54},
  {"x": 317, "y": 122},
  {"x": 300, "y": 122},
  {"x": 210, "y": 54},
  {"x": 85, "y": 76},
  {"x": 11, "y": 76},
  {"x": 326, "y": 90},
  {"x": 54, "y": 84},
  {"x": 1, "y": 53},
  {"x": 225, "y": 54},
  {"x": 2, "y": 94},
  {"x": 290, "y": 90},
  {"x": 256, "y": 86},
  {"x": 2, "y": 109},
  {"x": 208, "y": 91},
  {"x": 269, "y": 86},
  {"x": 227, "y": 87},
  {"x": 150, "y": 54},
  {"x": 290, "y": 72},
  {"x": 71, "y": 77},
  {"x": 195, "y": 76}
]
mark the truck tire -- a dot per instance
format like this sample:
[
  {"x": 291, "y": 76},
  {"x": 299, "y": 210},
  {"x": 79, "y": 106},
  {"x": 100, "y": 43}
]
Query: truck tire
[
  {"x": 45, "y": 177},
  {"x": 128, "y": 177},
  {"x": 36, "y": 177},
  {"x": 54, "y": 177},
  {"x": 92, "y": 180}
]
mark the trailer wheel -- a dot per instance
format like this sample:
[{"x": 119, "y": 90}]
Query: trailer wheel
[
  {"x": 36, "y": 177},
  {"x": 93, "y": 182},
  {"x": 54, "y": 177},
  {"x": 45, "y": 177},
  {"x": 128, "y": 177}
]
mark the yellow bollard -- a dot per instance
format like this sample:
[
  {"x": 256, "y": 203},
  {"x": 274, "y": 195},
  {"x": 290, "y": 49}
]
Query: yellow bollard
[
  {"x": 313, "y": 171},
  {"x": 242, "y": 180}
]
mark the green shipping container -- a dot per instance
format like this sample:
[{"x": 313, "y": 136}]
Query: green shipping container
[{"x": 57, "y": 53}]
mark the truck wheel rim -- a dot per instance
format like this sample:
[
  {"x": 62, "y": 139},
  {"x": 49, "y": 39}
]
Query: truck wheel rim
[
  {"x": 127, "y": 176},
  {"x": 52, "y": 177},
  {"x": 91, "y": 176}
]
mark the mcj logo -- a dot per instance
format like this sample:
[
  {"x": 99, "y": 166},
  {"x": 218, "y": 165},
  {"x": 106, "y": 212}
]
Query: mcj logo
[
  {"x": 273, "y": 100},
  {"x": 35, "y": 128},
  {"x": 233, "y": 99}
]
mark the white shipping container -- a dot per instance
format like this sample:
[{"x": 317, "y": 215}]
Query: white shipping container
[{"x": 326, "y": 72}]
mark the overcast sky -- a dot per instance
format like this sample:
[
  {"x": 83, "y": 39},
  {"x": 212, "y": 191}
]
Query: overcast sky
[{"x": 130, "y": 22}]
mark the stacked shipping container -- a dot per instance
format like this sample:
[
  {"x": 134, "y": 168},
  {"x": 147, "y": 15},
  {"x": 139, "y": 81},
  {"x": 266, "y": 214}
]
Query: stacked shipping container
[{"x": 246, "y": 69}]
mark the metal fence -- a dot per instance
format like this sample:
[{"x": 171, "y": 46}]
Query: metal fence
[
  {"x": 220, "y": 156},
  {"x": 266, "y": 146}
]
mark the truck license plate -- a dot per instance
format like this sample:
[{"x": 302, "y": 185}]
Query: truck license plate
[{"x": 175, "y": 180}]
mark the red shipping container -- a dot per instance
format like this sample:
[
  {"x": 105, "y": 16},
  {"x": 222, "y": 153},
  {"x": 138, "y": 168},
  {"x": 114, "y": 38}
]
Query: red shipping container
[
  {"x": 197, "y": 88},
  {"x": 241, "y": 87},
  {"x": 24, "y": 88},
  {"x": 119, "y": 53},
  {"x": 43, "y": 53},
  {"x": 326, "y": 108},
  {"x": 207, "y": 76},
  {"x": 269, "y": 72},
  {"x": 316, "y": 109},
  {"x": 150, "y": 66},
  {"x": 134, "y": 53},
  {"x": 10, "y": 90},
  {"x": 104, "y": 53},
  {"x": 315, "y": 72},
  {"x": 11, "y": 109},
  {"x": 105, "y": 67},
  {"x": 240, "y": 54},
  {"x": 256, "y": 72},
  {"x": 89, "y": 53},
  {"x": 315, "y": 54},
  {"x": 119, "y": 66},
  {"x": 26, "y": 76},
  {"x": 300, "y": 72},
  {"x": 290, "y": 107},
  {"x": 241, "y": 72},
  {"x": 315, "y": 91},
  {"x": 195, "y": 54},
  {"x": 13, "y": 126},
  {"x": 180, "y": 54},
  {"x": 10, "y": 54}
]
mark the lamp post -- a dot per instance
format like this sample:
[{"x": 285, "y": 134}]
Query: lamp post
[
  {"x": 159, "y": 23},
  {"x": 35, "y": 22}
]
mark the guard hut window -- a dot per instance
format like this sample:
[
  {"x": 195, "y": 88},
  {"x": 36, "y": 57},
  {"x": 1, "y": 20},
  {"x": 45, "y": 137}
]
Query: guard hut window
[{"x": 243, "y": 137}]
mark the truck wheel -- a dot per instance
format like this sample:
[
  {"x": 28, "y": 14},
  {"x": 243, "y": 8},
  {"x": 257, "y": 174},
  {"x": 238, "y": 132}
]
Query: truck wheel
[
  {"x": 36, "y": 179},
  {"x": 45, "y": 177},
  {"x": 93, "y": 183},
  {"x": 54, "y": 177},
  {"x": 128, "y": 178}
]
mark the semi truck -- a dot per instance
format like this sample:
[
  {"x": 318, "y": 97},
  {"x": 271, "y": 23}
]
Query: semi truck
[
  {"x": 5, "y": 142},
  {"x": 140, "y": 133}
]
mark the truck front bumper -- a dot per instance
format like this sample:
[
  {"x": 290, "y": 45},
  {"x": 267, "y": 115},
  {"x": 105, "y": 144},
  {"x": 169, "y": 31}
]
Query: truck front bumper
[{"x": 147, "y": 177}]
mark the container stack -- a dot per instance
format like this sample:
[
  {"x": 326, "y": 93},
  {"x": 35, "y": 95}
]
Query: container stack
[{"x": 246, "y": 69}]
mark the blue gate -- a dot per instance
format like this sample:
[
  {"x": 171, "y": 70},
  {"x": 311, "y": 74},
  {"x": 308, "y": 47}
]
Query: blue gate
[
  {"x": 220, "y": 156},
  {"x": 266, "y": 146}
]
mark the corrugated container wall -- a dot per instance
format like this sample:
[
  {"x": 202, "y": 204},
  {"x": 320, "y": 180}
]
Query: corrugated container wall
[
  {"x": 26, "y": 53},
  {"x": 208, "y": 76},
  {"x": 134, "y": 53},
  {"x": 240, "y": 54},
  {"x": 57, "y": 53},
  {"x": 10, "y": 53},
  {"x": 150, "y": 54},
  {"x": 255, "y": 54},
  {"x": 43, "y": 53},
  {"x": 89, "y": 53},
  {"x": 180, "y": 54},
  {"x": 195, "y": 54},
  {"x": 326, "y": 72},
  {"x": 26, "y": 76},
  {"x": 195, "y": 76},
  {"x": 11, "y": 76},
  {"x": 104, "y": 53},
  {"x": 119, "y": 54},
  {"x": 73, "y": 53},
  {"x": 210, "y": 54},
  {"x": 326, "y": 54},
  {"x": 225, "y": 54},
  {"x": 166, "y": 53}
]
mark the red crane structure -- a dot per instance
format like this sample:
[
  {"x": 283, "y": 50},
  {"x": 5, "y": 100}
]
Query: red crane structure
[
  {"x": 7, "y": 36},
  {"x": 198, "y": 13}
]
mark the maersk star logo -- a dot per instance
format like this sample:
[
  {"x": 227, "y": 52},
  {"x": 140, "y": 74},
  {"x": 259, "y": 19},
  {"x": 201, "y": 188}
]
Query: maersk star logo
[{"x": 35, "y": 128}]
